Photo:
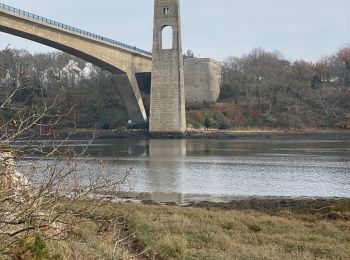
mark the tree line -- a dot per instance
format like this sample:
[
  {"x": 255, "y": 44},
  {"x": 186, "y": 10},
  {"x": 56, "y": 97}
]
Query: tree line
[
  {"x": 272, "y": 91},
  {"x": 260, "y": 89},
  {"x": 81, "y": 87}
]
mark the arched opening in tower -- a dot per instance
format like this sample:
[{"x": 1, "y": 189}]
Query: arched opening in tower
[{"x": 167, "y": 37}]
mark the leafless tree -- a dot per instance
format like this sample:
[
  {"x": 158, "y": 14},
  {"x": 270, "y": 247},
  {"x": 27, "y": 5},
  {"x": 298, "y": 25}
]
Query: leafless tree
[{"x": 40, "y": 181}]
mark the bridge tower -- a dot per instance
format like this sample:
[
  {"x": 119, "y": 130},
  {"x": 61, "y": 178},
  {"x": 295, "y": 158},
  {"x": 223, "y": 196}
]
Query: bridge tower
[{"x": 167, "y": 111}]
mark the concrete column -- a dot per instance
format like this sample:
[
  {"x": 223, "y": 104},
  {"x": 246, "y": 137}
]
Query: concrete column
[
  {"x": 167, "y": 111},
  {"x": 130, "y": 92}
]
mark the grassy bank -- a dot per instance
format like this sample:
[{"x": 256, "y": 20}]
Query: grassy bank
[{"x": 134, "y": 231}]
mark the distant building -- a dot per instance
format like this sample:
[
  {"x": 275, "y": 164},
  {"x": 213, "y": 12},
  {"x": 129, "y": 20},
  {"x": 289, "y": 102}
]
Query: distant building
[{"x": 202, "y": 79}]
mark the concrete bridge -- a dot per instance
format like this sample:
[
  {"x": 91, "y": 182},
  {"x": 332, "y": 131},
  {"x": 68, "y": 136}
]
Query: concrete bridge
[{"x": 122, "y": 60}]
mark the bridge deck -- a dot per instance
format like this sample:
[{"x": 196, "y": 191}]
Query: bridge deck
[{"x": 55, "y": 24}]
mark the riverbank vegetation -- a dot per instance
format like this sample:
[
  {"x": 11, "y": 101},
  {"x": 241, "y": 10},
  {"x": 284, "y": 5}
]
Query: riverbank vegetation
[
  {"x": 260, "y": 90},
  {"x": 264, "y": 90},
  {"x": 212, "y": 231},
  {"x": 37, "y": 194}
]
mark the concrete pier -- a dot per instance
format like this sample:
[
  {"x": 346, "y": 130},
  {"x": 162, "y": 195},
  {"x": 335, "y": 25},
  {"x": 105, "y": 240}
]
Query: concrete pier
[{"x": 167, "y": 111}]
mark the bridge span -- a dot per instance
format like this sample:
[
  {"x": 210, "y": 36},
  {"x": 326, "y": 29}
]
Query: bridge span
[{"x": 122, "y": 60}]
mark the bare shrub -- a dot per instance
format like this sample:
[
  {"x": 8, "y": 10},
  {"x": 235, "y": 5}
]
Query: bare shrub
[{"x": 40, "y": 179}]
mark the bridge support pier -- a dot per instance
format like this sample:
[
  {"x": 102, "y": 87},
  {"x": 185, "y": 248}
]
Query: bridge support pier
[
  {"x": 130, "y": 92},
  {"x": 167, "y": 111}
]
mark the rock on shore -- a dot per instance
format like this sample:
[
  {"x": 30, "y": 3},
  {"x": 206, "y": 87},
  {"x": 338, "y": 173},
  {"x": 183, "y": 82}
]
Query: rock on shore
[{"x": 14, "y": 183}]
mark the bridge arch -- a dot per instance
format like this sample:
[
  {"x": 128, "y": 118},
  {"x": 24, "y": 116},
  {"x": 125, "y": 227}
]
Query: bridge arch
[
  {"x": 67, "y": 49},
  {"x": 122, "y": 60}
]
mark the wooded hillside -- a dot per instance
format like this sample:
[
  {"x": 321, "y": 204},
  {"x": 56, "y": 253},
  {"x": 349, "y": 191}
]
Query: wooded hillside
[{"x": 261, "y": 89}]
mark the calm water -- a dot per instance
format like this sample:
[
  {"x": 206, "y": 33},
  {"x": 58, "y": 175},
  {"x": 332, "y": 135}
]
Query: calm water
[
  {"x": 204, "y": 169},
  {"x": 209, "y": 169}
]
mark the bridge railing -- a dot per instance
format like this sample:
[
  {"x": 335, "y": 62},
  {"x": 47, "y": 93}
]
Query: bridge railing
[{"x": 50, "y": 22}]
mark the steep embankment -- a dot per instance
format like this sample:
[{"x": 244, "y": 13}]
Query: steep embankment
[{"x": 226, "y": 115}]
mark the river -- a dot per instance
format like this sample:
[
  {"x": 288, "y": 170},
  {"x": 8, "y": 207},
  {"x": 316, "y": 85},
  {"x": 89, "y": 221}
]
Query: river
[{"x": 183, "y": 170}]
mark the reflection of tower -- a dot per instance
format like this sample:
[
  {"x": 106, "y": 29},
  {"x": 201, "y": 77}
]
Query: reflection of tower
[
  {"x": 167, "y": 149},
  {"x": 167, "y": 112},
  {"x": 166, "y": 160}
]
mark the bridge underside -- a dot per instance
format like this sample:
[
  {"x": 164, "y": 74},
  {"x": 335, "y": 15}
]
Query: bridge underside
[
  {"x": 122, "y": 62},
  {"x": 64, "y": 48}
]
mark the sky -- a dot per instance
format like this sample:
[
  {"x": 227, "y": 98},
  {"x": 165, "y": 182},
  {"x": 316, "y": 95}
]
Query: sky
[{"x": 299, "y": 29}]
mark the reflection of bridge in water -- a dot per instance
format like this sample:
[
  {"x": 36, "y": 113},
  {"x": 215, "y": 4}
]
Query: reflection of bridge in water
[
  {"x": 165, "y": 168},
  {"x": 173, "y": 170}
]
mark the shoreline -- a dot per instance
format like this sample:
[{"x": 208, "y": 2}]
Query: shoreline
[
  {"x": 275, "y": 204},
  {"x": 269, "y": 204},
  {"x": 249, "y": 134}
]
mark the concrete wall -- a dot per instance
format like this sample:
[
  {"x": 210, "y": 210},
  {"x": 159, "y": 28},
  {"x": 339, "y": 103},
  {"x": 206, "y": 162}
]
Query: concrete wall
[{"x": 202, "y": 79}]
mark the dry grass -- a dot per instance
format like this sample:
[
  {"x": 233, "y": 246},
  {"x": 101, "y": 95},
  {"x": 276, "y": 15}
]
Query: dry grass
[
  {"x": 182, "y": 233},
  {"x": 169, "y": 232},
  {"x": 90, "y": 241}
]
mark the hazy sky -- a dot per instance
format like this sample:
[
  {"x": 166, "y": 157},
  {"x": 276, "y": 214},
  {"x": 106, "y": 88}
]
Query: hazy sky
[{"x": 300, "y": 29}]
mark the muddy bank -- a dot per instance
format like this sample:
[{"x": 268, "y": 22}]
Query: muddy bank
[
  {"x": 328, "y": 208},
  {"x": 316, "y": 134},
  {"x": 269, "y": 204},
  {"x": 275, "y": 205},
  {"x": 272, "y": 134}
]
